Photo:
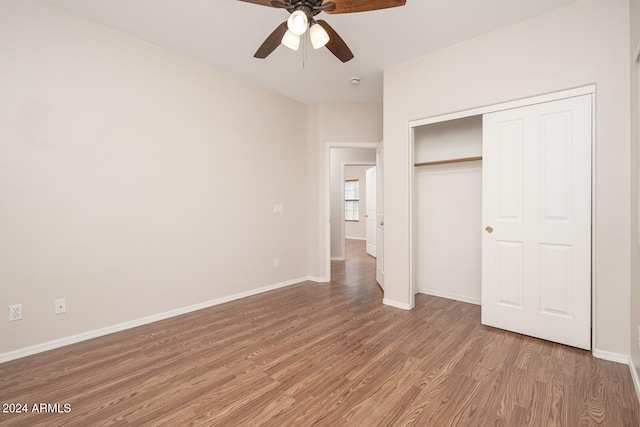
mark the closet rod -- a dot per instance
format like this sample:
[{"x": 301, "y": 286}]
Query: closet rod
[{"x": 442, "y": 162}]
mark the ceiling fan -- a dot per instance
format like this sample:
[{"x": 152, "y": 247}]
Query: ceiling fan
[{"x": 302, "y": 17}]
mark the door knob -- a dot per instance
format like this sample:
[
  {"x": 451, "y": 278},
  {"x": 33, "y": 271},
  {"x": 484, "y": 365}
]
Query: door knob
[
  {"x": 381, "y": 222},
  {"x": 489, "y": 230}
]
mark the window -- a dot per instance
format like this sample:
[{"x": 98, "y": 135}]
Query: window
[{"x": 352, "y": 200}]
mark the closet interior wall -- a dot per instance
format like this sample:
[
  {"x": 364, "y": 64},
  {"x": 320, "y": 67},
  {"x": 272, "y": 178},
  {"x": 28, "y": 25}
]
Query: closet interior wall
[{"x": 449, "y": 209}]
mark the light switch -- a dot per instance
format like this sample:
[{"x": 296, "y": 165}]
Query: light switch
[{"x": 278, "y": 208}]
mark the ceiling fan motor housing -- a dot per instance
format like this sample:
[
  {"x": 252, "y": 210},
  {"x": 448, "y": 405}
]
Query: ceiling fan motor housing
[{"x": 310, "y": 7}]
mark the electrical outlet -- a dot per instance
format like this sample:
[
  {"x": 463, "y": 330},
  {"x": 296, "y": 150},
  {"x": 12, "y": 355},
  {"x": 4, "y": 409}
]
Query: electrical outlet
[
  {"x": 15, "y": 312},
  {"x": 276, "y": 262},
  {"x": 60, "y": 306}
]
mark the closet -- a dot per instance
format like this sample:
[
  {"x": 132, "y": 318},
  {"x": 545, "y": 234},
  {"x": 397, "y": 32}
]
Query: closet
[
  {"x": 501, "y": 214},
  {"x": 448, "y": 189}
]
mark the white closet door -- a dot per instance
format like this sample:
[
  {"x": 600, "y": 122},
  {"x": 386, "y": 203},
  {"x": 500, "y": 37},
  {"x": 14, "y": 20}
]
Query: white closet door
[{"x": 536, "y": 246}]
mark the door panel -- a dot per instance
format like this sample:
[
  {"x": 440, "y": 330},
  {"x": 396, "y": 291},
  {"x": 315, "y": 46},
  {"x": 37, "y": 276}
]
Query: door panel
[
  {"x": 510, "y": 169},
  {"x": 536, "y": 248},
  {"x": 556, "y": 167},
  {"x": 509, "y": 273},
  {"x": 556, "y": 279}
]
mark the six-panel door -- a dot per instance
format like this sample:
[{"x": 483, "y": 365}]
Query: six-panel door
[{"x": 536, "y": 246}]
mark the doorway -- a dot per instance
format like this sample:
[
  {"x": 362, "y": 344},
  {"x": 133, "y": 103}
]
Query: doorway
[
  {"x": 338, "y": 157},
  {"x": 348, "y": 165}
]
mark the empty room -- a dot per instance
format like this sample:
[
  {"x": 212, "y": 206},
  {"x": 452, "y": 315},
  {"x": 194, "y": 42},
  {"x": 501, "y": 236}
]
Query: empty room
[{"x": 313, "y": 212}]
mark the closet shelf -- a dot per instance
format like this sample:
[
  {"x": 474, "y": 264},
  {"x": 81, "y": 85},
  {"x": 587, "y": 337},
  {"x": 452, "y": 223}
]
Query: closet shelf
[{"x": 443, "y": 162}]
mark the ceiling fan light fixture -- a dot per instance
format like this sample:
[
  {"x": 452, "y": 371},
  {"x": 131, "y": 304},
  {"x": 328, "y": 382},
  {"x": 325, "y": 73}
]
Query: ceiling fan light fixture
[
  {"x": 298, "y": 22},
  {"x": 291, "y": 40},
  {"x": 319, "y": 36}
]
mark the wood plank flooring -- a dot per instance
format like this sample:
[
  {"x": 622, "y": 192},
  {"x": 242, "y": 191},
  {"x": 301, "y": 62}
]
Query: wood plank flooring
[{"x": 326, "y": 355}]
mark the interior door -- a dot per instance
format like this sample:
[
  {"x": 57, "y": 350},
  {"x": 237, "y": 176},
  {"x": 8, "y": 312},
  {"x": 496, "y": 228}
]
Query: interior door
[
  {"x": 380, "y": 216},
  {"x": 536, "y": 246},
  {"x": 371, "y": 211}
]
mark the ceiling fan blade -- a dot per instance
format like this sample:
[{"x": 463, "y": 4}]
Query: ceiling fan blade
[
  {"x": 261, "y": 2},
  {"x": 350, "y": 6},
  {"x": 280, "y": 5},
  {"x": 336, "y": 45},
  {"x": 271, "y": 42},
  {"x": 324, "y": 7}
]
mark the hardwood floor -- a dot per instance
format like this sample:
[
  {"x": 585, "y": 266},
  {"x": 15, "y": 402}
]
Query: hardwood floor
[{"x": 321, "y": 354}]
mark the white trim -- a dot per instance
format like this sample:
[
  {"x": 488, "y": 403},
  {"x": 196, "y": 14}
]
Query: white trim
[
  {"x": 317, "y": 279},
  {"x": 396, "y": 304},
  {"x": 356, "y": 238},
  {"x": 338, "y": 258},
  {"x": 413, "y": 214},
  {"x": 610, "y": 356},
  {"x": 84, "y": 336},
  {"x": 635, "y": 377},
  {"x": 461, "y": 298},
  {"x": 594, "y": 221},
  {"x": 554, "y": 96},
  {"x": 637, "y": 135}
]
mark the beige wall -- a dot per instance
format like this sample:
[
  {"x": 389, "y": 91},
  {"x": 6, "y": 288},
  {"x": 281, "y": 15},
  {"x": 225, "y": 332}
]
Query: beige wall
[
  {"x": 134, "y": 181},
  {"x": 582, "y": 44},
  {"x": 315, "y": 261},
  {"x": 635, "y": 189}
]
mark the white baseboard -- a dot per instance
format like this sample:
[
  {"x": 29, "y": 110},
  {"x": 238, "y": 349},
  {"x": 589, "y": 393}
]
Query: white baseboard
[
  {"x": 610, "y": 356},
  {"x": 317, "y": 279},
  {"x": 448, "y": 295},
  {"x": 396, "y": 304},
  {"x": 50, "y": 345},
  {"x": 356, "y": 238},
  {"x": 338, "y": 258},
  {"x": 635, "y": 377}
]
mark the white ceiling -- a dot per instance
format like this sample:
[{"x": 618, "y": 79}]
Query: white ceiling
[{"x": 226, "y": 33}]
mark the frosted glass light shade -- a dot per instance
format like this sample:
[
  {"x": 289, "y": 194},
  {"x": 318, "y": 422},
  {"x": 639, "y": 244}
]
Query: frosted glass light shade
[
  {"x": 291, "y": 40},
  {"x": 298, "y": 22},
  {"x": 318, "y": 35}
]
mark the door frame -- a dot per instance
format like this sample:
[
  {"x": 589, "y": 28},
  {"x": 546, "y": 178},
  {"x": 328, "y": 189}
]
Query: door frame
[
  {"x": 326, "y": 197},
  {"x": 539, "y": 99}
]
